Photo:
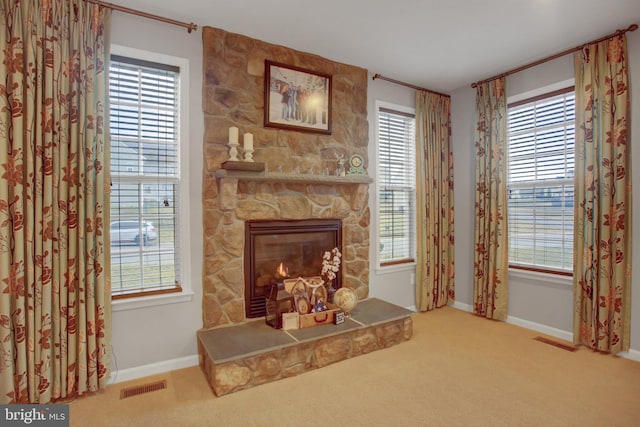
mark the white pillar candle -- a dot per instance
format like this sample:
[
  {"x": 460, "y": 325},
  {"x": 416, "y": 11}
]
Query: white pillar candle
[
  {"x": 248, "y": 141},
  {"x": 233, "y": 135}
]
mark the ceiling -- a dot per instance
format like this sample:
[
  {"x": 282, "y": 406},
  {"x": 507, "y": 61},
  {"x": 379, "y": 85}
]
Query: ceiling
[{"x": 438, "y": 44}]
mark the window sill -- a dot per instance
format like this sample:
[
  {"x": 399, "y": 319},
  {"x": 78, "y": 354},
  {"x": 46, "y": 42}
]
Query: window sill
[
  {"x": 151, "y": 301},
  {"x": 410, "y": 266},
  {"x": 541, "y": 278}
]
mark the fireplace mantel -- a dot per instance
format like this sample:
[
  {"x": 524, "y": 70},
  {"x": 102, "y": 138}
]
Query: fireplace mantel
[
  {"x": 228, "y": 183},
  {"x": 222, "y": 174}
]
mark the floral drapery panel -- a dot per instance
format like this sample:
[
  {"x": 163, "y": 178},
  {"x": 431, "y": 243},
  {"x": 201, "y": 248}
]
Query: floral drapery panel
[
  {"x": 434, "y": 187},
  {"x": 54, "y": 283},
  {"x": 491, "y": 255},
  {"x": 602, "y": 234}
]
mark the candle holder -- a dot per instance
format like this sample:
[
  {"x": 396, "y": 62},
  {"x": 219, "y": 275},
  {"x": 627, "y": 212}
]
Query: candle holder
[
  {"x": 233, "y": 151},
  {"x": 248, "y": 154},
  {"x": 248, "y": 147},
  {"x": 233, "y": 144}
]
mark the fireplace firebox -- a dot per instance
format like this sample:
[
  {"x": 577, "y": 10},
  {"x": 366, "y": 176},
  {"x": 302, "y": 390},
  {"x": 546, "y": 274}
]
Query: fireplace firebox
[{"x": 275, "y": 250}]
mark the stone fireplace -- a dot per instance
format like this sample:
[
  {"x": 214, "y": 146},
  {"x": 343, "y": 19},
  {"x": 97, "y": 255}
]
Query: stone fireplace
[
  {"x": 275, "y": 250},
  {"x": 292, "y": 188}
]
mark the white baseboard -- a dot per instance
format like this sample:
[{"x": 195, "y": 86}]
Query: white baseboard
[
  {"x": 539, "y": 327},
  {"x": 462, "y": 306},
  {"x": 153, "y": 369},
  {"x": 547, "y": 330},
  {"x": 631, "y": 354}
]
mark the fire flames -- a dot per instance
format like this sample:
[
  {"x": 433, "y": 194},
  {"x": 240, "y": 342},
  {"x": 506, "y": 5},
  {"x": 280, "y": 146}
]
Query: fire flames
[{"x": 282, "y": 270}]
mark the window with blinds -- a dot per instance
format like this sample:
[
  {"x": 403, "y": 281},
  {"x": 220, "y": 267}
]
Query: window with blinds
[
  {"x": 540, "y": 181},
  {"x": 397, "y": 186},
  {"x": 145, "y": 177}
]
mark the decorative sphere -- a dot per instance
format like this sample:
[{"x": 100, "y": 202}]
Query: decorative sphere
[{"x": 346, "y": 299}]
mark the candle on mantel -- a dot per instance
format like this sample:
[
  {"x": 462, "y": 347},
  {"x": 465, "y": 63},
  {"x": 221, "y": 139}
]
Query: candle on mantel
[
  {"x": 248, "y": 141},
  {"x": 233, "y": 135}
]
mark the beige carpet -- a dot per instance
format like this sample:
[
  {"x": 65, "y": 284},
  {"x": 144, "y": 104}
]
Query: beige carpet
[{"x": 457, "y": 370}]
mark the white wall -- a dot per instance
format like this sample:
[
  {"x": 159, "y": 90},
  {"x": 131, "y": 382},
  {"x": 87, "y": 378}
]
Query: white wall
[
  {"x": 462, "y": 127},
  {"x": 393, "y": 285},
  {"x": 166, "y": 334},
  {"x": 532, "y": 299}
]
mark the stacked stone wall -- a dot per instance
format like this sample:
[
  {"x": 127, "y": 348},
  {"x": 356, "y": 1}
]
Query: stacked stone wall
[{"x": 233, "y": 95}]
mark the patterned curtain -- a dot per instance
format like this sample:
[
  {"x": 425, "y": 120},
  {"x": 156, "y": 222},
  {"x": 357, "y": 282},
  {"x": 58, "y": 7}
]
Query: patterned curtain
[
  {"x": 491, "y": 255},
  {"x": 434, "y": 188},
  {"x": 54, "y": 268},
  {"x": 602, "y": 235}
]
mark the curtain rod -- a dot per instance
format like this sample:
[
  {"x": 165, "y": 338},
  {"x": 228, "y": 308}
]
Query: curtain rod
[
  {"x": 190, "y": 27},
  {"x": 378, "y": 76},
  {"x": 631, "y": 27}
]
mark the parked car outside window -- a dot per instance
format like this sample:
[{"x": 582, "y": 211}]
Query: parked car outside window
[{"x": 127, "y": 232}]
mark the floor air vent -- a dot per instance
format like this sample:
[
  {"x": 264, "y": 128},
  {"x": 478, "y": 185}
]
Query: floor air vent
[
  {"x": 556, "y": 343},
  {"x": 141, "y": 389}
]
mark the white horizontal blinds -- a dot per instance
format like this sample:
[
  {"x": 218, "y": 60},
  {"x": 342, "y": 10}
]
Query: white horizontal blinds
[
  {"x": 397, "y": 182},
  {"x": 540, "y": 181},
  {"x": 144, "y": 119}
]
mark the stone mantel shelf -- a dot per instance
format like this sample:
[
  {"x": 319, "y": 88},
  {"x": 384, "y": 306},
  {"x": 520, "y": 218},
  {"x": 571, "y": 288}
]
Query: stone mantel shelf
[
  {"x": 292, "y": 178},
  {"x": 228, "y": 184}
]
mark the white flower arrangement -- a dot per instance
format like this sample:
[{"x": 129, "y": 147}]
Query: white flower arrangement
[{"x": 331, "y": 264}]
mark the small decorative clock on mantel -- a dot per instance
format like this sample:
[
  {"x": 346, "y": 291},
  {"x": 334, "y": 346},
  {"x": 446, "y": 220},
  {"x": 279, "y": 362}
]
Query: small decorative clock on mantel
[{"x": 356, "y": 165}]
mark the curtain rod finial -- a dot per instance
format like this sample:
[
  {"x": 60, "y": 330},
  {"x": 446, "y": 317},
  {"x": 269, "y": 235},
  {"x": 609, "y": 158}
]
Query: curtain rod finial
[{"x": 632, "y": 27}]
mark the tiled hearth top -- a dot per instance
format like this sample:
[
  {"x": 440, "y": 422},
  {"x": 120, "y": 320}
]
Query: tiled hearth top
[
  {"x": 225, "y": 344},
  {"x": 373, "y": 311}
]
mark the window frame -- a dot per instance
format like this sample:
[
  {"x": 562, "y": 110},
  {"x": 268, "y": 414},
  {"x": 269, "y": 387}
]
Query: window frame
[
  {"x": 409, "y": 263},
  {"x": 184, "y": 293},
  {"x": 538, "y": 272}
]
